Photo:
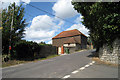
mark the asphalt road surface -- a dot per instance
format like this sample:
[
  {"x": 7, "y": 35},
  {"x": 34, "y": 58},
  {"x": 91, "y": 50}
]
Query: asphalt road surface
[
  {"x": 57, "y": 67},
  {"x": 97, "y": 71}
]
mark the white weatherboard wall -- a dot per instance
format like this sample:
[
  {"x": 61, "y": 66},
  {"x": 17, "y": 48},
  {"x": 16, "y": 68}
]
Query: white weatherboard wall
[{"x": 69, "y": 45}]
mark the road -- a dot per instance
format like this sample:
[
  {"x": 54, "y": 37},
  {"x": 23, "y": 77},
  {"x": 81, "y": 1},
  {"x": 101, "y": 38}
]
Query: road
[
  {"x": 57, "y": 67},
  {"x": 97, "y": 71}
]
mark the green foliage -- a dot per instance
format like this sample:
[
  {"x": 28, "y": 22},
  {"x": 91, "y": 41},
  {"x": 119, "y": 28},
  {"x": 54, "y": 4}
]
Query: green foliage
[
  {"x": 29, "y": 50},
  {"x": 43, "y": 43},
  {"x": 17, "y": 28},
  {"x": 89, "y": 41},
  {"x": 102, "y": 19},
  {"x": 21, "y": 49},
  {"x": 26, "y": 50}
]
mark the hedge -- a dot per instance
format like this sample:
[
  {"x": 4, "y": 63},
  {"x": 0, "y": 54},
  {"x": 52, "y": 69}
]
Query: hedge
[
  {"x": 29, "y": 50},
  {"x": 25, "y": 50}
]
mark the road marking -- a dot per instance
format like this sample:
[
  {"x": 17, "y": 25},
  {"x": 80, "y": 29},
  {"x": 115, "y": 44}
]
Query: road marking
[
  {"x": 67, "y": 76},
  {"x": 93, "y": 61},
  {"x": 75, "y": 71},
  {"x": 91, "y": 64},
  {"x": 87, "y": 66},
  {"x": 82, "y": 68}
]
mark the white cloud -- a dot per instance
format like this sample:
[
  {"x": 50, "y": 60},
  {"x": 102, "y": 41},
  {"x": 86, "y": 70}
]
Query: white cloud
[
  {"x": 50, "y": 42},
  {"x": 61, "y": 23},
  {"x": 79, "y": 19},
  {"x": 42, "y": 28},
  {"x": 26, "y": 1},
  {"x": 80, "y": 27},
  {"x": 42, "y": 22},
  {"x": 5, "y": 3},
  {"x": 64, "y": 9}
]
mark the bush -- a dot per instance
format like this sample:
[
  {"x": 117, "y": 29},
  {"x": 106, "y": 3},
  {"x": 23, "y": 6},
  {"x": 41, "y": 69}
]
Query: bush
[
  {"x": 29, "y": 50},
  {"x": 26, "y": 50}
]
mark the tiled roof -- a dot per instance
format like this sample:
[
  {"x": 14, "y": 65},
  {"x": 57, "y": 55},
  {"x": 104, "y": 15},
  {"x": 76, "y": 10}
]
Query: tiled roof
[
  {"x": 68, "y": 33},
  {"x": 71, "y": 40}
]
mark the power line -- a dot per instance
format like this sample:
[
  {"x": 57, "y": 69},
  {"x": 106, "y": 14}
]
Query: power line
[
  {"x": 49, "y": 13},
  {"x": 39, "y": 19},
  {"x": 43, "y": 21}
]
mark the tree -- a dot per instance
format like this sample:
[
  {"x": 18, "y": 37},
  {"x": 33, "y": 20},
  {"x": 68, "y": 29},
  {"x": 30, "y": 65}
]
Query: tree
[
  {"x": 42, "y": 43},
  {"x": 17, "y": 32},
  {"x": 102, "y": 19}
]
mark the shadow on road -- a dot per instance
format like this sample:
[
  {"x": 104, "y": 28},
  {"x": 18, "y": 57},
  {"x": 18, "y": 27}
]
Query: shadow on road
[{"x": 93, "y": 54}]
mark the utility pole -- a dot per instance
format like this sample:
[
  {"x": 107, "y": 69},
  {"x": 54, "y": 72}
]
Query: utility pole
[{"x": 11, "y": 27}]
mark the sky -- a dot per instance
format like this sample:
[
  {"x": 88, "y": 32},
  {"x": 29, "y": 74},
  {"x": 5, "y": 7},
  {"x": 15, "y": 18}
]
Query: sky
[{"x": 49, "y": 19}]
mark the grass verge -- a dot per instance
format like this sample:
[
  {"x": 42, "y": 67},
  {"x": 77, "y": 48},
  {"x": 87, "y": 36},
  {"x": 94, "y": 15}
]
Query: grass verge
[
  {"x": 103, "y": 62},
  {"x": 16, "y": 62},
  {"x": 13, "y": 62},
  {"x": 48, "y": 57}
]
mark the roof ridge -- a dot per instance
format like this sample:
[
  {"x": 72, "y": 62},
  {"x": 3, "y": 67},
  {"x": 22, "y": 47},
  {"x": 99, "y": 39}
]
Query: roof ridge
[
  {"x": 68, "y": 33},
  {"x": 71, "y": 30}
]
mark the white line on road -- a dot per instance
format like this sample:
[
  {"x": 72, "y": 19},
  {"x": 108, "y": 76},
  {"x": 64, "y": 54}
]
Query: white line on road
[
  {"x": 74, "y": 72},
  {"x": 87, "y": 66},
  {"x": 93, "y": 61},
  {"x": 91, "y": 64},
  {"x": 67, "y": 76},
  {"x": 82, "y": 68}
]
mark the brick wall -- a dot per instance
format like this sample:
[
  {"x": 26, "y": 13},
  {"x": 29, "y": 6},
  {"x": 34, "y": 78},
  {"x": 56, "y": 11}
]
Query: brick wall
[
  {"x": 60, "y": 41},
  {"x": 78, "y": 46}
]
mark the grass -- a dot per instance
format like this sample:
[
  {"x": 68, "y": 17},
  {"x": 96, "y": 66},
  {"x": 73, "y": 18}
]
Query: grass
[
  {"x": 103, "y": 62},
  {"x": 95, "y": 57},
  {"x": 12, "y": 62},
  {"x": 51, "y": 56},
  {"x": 16, "y": 62},
  {"x": 80, "y": 50}
]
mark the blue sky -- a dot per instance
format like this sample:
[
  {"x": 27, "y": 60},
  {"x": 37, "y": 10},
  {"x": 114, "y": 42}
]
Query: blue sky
[{"x": 43, "y": 26}]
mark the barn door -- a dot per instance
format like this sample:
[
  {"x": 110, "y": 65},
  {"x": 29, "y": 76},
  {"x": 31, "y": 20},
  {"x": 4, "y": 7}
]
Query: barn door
[{"x": 59, "y": 50}]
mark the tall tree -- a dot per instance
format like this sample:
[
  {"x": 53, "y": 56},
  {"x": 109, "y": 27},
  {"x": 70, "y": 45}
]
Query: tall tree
[
  {"x": 102, "y": 19},
  {"x": 17, "y": 32}
]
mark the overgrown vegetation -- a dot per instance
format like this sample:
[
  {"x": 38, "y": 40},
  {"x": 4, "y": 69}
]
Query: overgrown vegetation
[
  {"x": 29, "y": 51},
  {"x": 43, "y": 43},
  {"x": 14, "y": 24},
  {"x": 26, "y": 50},
  {"x": 16, "y": 62},
  {"x": 102, "y": 19}
]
